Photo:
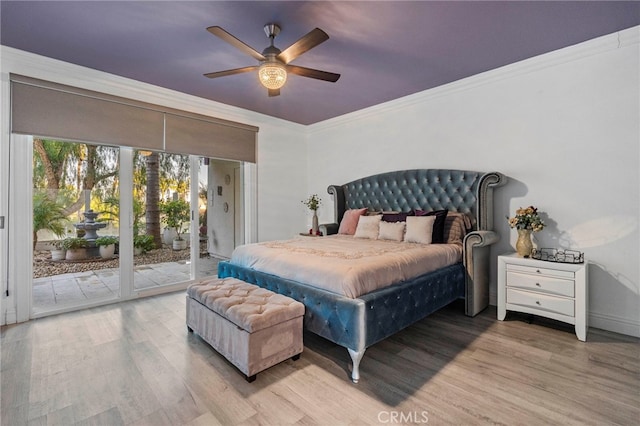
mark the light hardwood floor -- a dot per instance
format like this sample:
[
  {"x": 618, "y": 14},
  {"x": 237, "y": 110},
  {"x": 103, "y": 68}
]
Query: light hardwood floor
[{"x": 135, "y": 364}]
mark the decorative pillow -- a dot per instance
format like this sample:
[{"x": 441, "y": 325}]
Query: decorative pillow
[
  {"x": 438, "y": 225},
  {"x": 391, "y": 230},
  {"x": 396, "y": 217},
  {"x": 368, "y": 227},
  {"x": 456, "y": 227},
  {"x": 419, "y": 229},
  {"x": 349, "y": 221}
]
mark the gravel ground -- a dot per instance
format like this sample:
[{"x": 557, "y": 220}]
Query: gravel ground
[{"x": 43, "y": 266}]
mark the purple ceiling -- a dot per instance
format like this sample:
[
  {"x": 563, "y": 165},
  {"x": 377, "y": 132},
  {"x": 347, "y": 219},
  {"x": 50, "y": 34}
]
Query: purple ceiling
[{"x": 383, "y": 50}]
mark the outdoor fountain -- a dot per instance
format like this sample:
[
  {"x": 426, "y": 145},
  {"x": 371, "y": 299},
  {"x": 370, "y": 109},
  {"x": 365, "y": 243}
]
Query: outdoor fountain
[{"x": 90, "y": 227}]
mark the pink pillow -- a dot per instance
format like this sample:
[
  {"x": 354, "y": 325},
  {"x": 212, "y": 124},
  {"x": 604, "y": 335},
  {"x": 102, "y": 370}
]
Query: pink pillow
[{"x": 349, "y": 221}]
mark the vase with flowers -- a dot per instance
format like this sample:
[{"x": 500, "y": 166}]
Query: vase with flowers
[
  {"x": 526, "y": 221},
  {"x": 313, "y": 203}
]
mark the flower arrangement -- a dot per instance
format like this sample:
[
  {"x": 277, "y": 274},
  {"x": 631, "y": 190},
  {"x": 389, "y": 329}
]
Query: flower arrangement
[
  {"x": 313, "y": 202},
  {"x": 526, "y": 218}
]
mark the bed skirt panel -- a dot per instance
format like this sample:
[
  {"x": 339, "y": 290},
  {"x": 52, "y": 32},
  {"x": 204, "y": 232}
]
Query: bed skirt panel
[
  {"x": 359, "y": 323},
  {"x": 394, "y": 308}
]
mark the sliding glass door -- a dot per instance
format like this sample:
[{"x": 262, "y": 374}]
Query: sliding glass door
[
  {"x": 103, "y": 224},
  {"x": 162, "y": 219},
  {"x": 75, "y": 200}
]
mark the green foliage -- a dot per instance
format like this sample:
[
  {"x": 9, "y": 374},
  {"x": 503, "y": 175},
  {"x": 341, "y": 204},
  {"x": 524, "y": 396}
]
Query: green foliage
[
  {"x": 176, "y": 214},
  {"x": 110, "y": 212},
  {"x": 144, "y": 242},
  {"x": 48, "y": 214},
  {"x": 313, "y": 202},
  {"x": 74, "y": 243},
  {"x": 107, "y": 240}
]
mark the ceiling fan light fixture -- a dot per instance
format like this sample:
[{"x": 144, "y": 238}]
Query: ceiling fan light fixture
[{"x": 272, "y": 75}]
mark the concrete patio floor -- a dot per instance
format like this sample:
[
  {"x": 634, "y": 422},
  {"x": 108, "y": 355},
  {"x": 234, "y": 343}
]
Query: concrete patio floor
[{"x": 78, "y": 287}]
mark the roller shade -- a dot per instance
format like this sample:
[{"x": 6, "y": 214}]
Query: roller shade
[
  {"x": 189, "y": 135},
  {"x": 58, "y": 111}
]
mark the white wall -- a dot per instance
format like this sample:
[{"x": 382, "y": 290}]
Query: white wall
[
  {"x": 564, "y": 128},
  {"x": 280, "y": 172}
]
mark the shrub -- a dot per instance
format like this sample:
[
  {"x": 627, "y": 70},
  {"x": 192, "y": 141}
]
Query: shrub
[
  {"x": 176, "y": 213},
  {"x": 48, "y": 214},
  {"x": 74, "y": 243},
  {"x": 144, "y": 242},
  {"x": 106, "y": 240}
]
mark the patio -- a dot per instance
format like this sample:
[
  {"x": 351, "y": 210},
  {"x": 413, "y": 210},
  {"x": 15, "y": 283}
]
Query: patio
[{"x": 77, "y": 287}]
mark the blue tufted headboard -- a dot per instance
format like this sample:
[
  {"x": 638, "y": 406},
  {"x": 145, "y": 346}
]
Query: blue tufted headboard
[
  {"x": 427, "y": 189},
  {"x": 434, "y": 189}
]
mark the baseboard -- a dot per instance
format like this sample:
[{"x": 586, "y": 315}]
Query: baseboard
[{"x": 616, "y": 324}]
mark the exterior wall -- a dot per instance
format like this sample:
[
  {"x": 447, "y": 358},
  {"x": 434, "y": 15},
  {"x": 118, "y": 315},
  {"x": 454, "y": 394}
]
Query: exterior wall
[{"x": 563, "y": 127}]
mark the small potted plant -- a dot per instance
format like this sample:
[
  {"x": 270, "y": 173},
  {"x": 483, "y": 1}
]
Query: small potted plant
[
  {"x": 57, "y": 251},
  {"x": 76, "y": 248},
  {"x": 176, "y": 215},
  {"x": 143, "y": 244},
  {"x": 107, "y": 245}
]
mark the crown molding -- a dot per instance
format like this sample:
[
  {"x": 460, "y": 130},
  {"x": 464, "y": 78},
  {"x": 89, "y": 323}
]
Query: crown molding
[
  {"x": 32, "y": 65},
  {"x": 596, "y": 46}
]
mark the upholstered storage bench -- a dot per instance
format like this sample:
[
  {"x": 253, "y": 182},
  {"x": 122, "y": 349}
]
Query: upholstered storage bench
[{"x": 254, "y": 328}]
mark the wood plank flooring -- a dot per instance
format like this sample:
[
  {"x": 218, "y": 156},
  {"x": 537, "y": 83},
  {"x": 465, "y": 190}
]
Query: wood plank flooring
[{"x": 134, "y": 363}]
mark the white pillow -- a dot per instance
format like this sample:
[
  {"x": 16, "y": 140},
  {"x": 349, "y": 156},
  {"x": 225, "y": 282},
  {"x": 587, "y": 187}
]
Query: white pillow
[
  {"x": 368, "y": 227},
  {"x": 391, "y": 231},
  {"x": 419, "y": 229}
]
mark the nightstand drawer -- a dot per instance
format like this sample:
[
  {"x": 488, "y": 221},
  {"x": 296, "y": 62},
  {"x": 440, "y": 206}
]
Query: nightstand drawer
[
  {"x": 541, "y": 301},
  {"x": 541, "y": 271},
  {"x": 546, "y": 284}
]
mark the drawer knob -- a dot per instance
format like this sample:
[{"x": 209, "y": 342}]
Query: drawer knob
[
  {"x": 538, "y": 284},
  {"x": 538, "y": 302},
  {"x": 538, "y": 271}
]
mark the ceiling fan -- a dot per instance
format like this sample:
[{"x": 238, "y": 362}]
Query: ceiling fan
[{"x": 274, "y": 63}]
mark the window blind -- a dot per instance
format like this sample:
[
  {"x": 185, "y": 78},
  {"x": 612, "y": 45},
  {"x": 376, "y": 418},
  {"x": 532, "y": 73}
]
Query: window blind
[{"x": 53, "y": 110}]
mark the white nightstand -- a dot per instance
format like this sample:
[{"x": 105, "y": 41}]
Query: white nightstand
[{"x": 549, "y": 289}]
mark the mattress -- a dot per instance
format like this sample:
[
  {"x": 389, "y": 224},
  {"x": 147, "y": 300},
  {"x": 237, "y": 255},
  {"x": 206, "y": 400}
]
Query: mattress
[{"x": 346, "y": 265}]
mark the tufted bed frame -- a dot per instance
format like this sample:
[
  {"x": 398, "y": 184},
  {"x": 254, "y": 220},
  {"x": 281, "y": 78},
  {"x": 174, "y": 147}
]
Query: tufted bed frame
[{"x": 359, "y": 323}]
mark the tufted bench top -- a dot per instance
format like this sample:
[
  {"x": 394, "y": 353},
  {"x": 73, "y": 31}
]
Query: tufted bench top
[{"x": 246, "y": 305}]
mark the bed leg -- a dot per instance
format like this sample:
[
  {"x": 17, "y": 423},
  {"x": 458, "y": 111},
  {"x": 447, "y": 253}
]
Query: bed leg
[{"x": 356, "y": 356}]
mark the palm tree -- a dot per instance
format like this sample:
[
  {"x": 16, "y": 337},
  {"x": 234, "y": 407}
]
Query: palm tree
[
  {"x": 152, "y": 195},
  {"x": 48, "y": 214}
]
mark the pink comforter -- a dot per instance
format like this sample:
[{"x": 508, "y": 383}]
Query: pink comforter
[{"x": 346, "y": 265}]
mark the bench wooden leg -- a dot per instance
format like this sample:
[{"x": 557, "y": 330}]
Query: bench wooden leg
[
  {"x": 189, "y": 329},
  {"x": 295, "y": 357},
  {"x": 250, "y": 378}
]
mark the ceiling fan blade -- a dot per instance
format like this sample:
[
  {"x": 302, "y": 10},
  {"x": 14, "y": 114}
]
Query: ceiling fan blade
[
  {"x": 231, "y": 72},
  {"x": 274, "y": 92},
  {"x": 238, "y": 44},
  {"x": 311, "y": 73},
  {"x": 306, "y": 42}
]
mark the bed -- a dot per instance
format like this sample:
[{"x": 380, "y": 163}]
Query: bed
[{"x": 357, "y": 321}]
